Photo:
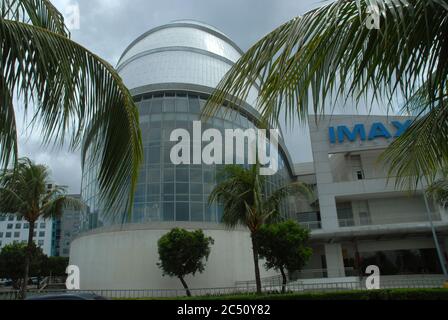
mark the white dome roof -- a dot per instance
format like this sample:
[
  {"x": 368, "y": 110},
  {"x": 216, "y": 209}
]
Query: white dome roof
[{"x": 180, "y": 52}]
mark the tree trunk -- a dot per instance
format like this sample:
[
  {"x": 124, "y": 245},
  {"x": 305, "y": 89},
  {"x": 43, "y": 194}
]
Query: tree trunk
[
  {"x": 185, "y": 286},
  {"x": 285, "y": 280},
  {"x": 27, "y": 260},
  {"x": 257, "y": 267}
]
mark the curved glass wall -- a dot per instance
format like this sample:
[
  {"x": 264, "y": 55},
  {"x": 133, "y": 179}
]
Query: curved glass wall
[{"x": 168, "y": 192}]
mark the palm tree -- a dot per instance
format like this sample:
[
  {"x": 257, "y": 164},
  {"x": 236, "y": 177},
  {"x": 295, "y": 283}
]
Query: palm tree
[
  {"x": 332, "y": 53},
  {"x": 74, "y": 96},
  {"x": 24, "y": 191},
  {"x": 242, "y": 193},
  {"x": 439, "y": 189}
]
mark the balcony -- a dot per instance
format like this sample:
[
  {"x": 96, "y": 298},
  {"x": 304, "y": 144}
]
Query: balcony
[
  {"x": 311, "y": 225},
  {"x": 309, "y": 220},
  {"x": 395, "y": 219}
]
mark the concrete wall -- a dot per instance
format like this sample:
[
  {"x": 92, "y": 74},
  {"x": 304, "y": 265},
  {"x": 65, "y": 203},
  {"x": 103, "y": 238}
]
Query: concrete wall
[
  {"x": 127, "y": 260},
  {"x": 388, "y": 245},
  {"x": 396, "y": 210}
]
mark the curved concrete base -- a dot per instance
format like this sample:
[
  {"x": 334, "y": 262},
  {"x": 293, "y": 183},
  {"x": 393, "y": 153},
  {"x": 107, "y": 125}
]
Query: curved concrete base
[{"x": 125, "y": 258}]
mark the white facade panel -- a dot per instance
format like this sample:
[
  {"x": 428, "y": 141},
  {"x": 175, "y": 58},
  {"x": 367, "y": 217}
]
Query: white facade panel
[{"x": 184, "y": 37}]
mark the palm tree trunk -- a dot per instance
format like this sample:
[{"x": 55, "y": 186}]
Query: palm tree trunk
[
  {"x": 185, "y": 286},
  {"x": 27, "y": 260},
  {"x": 257, "y": 267},
  {"x": 284, "y": 280}
]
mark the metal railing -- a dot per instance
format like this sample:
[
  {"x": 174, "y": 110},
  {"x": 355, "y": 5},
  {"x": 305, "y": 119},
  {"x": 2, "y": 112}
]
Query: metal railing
[
  {"x": 386, "y": 282},
  {"x": 311, "y": 225},
  {"x": 51, "y": 281},
  {"x": 301, "y": 275},
  {"x": 374, "y": 221}
]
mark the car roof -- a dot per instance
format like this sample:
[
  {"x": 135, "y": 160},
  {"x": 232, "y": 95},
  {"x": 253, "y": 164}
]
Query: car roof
[{"x": 86, "y": 296}]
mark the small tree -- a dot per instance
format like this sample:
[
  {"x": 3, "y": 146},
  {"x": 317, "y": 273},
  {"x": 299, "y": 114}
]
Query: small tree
[
  {"x": 24, "y": 192},
  {"x": 246, "y": 202},
  {"x": 182, "y": 252},
  {"x": 55, "y": 266},
  {"x": 284, "y": 246},
  {"x": 13, "y": 259}
]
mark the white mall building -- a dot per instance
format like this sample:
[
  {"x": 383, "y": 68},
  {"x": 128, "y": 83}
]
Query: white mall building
[{"x": 357, "y": 217}]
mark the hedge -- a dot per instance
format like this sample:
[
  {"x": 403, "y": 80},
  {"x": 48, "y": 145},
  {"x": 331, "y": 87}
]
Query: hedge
[{"x": 389, "y": 294}]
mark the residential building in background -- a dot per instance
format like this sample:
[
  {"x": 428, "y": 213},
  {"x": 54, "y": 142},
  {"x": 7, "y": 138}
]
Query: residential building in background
[
  {"x": 65, "y": 229},
  {"x": 16, "y": 229}
]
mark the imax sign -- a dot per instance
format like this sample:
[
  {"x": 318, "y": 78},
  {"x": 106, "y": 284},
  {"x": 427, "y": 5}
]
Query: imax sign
[{"x": 359, "y": 132}]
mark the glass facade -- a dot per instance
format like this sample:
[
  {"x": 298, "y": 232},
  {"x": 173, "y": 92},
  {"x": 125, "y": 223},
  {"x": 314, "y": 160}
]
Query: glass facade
[
  {"x": 168, "y": 192},
  {"x": 401, "y": 262}
]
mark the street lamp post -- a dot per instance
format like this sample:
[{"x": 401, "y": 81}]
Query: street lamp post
[{"x": 435, "y": 238}]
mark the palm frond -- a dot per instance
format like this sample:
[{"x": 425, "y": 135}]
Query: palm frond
[
  {"x": 40, "y": 13},
  {"x": 421, "y": 151},
  {"x": 76, "y": 93},
  {"x": 329, "y": 54},
  {"x": 58, "y": 203},
  {"x": 274, "y": 200},
  {"x": 438, "y": 190},
  {"x": 8, "y": 127}
]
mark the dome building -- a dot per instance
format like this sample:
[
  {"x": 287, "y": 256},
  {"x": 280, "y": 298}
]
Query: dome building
[{"x": 171, "y": 71}]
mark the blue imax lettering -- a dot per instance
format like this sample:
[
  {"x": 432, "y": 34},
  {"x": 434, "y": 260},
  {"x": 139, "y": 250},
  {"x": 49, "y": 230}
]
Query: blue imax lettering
[{"x": 377, "y": 130}]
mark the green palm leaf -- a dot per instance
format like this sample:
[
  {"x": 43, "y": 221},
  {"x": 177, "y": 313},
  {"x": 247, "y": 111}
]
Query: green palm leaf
[
  {"x": 73, "y": 94},
  {"x": 330, "y": 54},
  {"x": 39, "y": 13}
]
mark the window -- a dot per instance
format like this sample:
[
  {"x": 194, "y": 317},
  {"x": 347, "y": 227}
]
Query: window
[
  {"x": 182, "y": 188},
  {"x": 196, "y": 188},
  {"x": 2, "y": 218},
  {"x": 10, "y": 225},
  {"x": 168, "y": 188},
  {"x": 42, "y": 225},
  {"x": 8, "y": 234},
  {"x": 1, "y": 234},
  {"x": 154, "y": 155},
  {"x": 181, "y": 105},
  {"x": 345, "y": 214},
  {"x": 182, "y": 211},
  {"x": 154, "y": 189},
  {"x": 16, "y": 234},
  {"x": 26, "y": 226},
  {"x": 168, "y": 105},
  {"x": 365, "y": 219},
  {"x": 182, "y": 175},
  {"x": 194, "y": 104},
  {"x": 156, "y": 106},
  {"x": 358, "y": 172},
  {"x": 197, "y": 211},
  {"x": 42, "y": 234},
  {"x": 168, "y": 211},
  {"x": 10, "y": 218},
  {"x": 18, "y": 225},
  {"x": 40, "y": 243},
  {"x": 311, "y": 220}
]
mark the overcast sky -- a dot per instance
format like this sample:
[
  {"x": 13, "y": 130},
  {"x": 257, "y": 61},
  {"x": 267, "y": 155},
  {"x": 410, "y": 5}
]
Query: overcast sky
[{"x": 108, "y": 26}]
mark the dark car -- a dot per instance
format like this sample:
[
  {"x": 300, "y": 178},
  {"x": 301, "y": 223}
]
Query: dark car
[{"x": 68, "y": 296}]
